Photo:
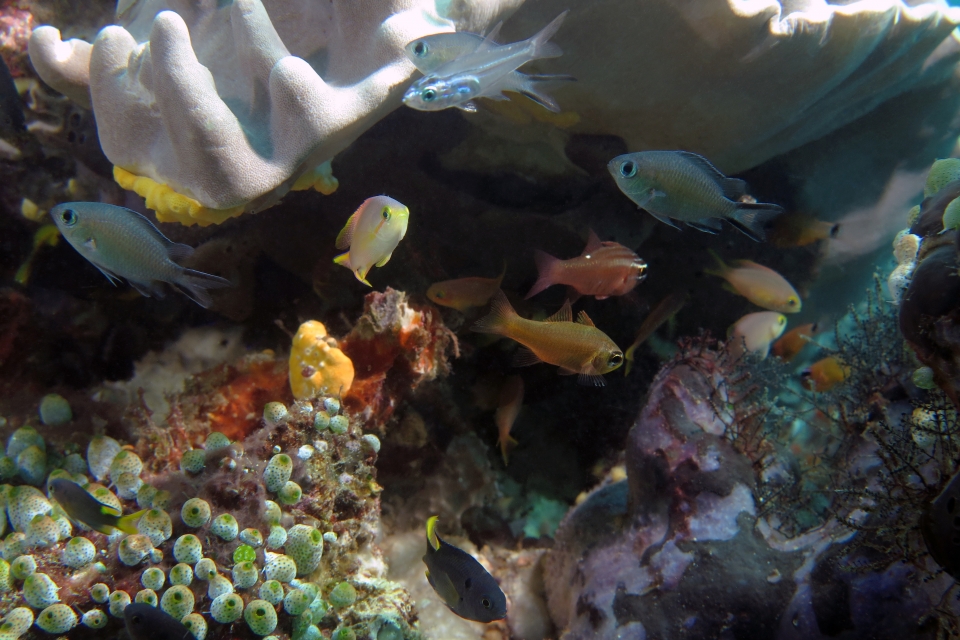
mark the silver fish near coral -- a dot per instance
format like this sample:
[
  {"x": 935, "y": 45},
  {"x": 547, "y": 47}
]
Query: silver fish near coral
[
  {"x": 679, "y": 185},
  {"x": 123, "y": 244},
  {"x": 458, "y": 72}
]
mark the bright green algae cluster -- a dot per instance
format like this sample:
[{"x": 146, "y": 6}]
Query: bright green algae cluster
[{"x": 275, "y": 535}]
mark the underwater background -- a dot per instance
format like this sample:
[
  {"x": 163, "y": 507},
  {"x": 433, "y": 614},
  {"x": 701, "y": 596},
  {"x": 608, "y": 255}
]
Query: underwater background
[{"x": 652, "y": 303}]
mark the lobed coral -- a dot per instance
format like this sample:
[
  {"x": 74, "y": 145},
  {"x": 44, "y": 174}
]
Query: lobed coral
[
  {"x": 317, "y": 365},
  {"x": 264, "y": 94}
]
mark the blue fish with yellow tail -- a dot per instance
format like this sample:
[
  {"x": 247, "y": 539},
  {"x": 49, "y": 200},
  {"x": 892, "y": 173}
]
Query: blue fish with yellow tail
[
  {"x": 123, "y": 244},
  {"x": 683, "y": 186},
  {"x": 461, "y": 581},
  {"x": 84, "y": 508}
]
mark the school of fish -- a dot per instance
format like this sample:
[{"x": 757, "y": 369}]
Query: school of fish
[{"x": 458, "y": 69}]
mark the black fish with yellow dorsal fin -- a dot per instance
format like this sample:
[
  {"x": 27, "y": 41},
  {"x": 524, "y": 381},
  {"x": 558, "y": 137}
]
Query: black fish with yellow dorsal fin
[
  {"x": 461, "y": 581},
  {"x": 84, "y": 508}
]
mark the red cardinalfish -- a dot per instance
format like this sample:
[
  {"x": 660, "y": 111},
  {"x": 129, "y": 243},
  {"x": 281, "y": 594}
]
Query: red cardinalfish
[
  {"x": 801, "y": 229},
  {"x": 604, "y": 269},
  {"x": 760, "y": 285},
  {"x": 793, "y": 341},
  {"x": 665, "y": 309},
  {"x": 511, "y": 399},
  {"x": 576, "y": 347},
  {"x": 464, "y": 293},
  {"x": 825, "y": 374}
]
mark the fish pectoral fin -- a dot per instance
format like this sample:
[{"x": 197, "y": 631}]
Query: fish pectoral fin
[
  {"x": 385, "y": 260},
  {"x": 583, "y": 318},
  {"x": 588, "y": 379},
  {"x": 469, "y": 106},
  {"x": 345, "y": 237},
  {"x": 663, "y": 219},
  {"x": 524, "y": 357},
  {"x": 565, "y": 314},
  {"x": 445, "y": 588}
]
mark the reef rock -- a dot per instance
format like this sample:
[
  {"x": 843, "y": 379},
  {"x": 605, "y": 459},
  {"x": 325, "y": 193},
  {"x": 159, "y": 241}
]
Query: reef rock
[{"x": 224, "y": 106}]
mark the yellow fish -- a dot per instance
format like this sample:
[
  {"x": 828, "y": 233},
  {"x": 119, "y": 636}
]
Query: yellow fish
[
  {"x": 371, "y": 235},
  {"x": 464, "y": 293},
  {"x": 576, "y": 347},
  {"x": 754, "y": 332},
  {"x": 825, "y": 374},
  {"x": 511, "y": 399},
  {"x": 760, "y": 285}
]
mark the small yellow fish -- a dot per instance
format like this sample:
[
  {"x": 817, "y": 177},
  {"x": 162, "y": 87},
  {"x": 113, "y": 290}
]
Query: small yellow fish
[
  {"x": 754, "y": 332},
  {"x": 371, "y": 235},
  {"x": 825, "y": 374},
  {"x": 576, "y": 347},
  {"x": 511, "y": 399},
  {"x": 760, "y": 285},
  {"x": 464, "y": 293},
  {"x": 665, "y": 309},
  {"x": 46, "y": 236}
]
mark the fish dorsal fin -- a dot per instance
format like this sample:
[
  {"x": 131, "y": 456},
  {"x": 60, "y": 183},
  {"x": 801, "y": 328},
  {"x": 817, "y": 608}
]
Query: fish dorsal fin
[
  {"x": 345, "y": 237},
  {"x": 490, "y": 39},
  {"x": 502, "y": 274},
  {"x": 177, "y": 251},
  {"x": 432, "y": 538},
  {"x": 733, "y": 188},
  {"x": 583, "y": 318},
  {"x": 564, "y": 315},
  {"x": 593, "y": 243}
]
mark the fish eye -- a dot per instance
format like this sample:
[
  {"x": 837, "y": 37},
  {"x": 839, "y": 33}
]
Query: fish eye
[
  {"x": 429, "y": 94},
  {"x": 792, "y": 302},
  {"x": 68, "y": 217},
  {"x": 420, "y": 49},
  {"x": 439, "y": 294},
  {"x": 385, "y": 213},
  {"x": 486, "y": 603},
  {"x": 616, "y": 358},
  {"x": 628, "y": 169}
]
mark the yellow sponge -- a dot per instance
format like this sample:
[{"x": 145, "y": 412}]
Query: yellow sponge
[
  {"x": 170, "y": 205},
  {"x": 317, "y": 365}
]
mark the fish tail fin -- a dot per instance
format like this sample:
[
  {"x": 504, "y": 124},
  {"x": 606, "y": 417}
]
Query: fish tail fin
[
  {"x": 546, "y": 272},
  {"x": 194, "y": 285},
  {"x": 507, "y": 445},
  {"x": 529, "y": 88},
  {"x": 752, "y": 217},
  {"x": 128, "y": 524},
  {"x": 628, "y": 358},
  {"x": 432, "y": 538},
  {"x": 500, "y": 316},
  {"x": 721, "y": 269},
  {"x": 542, "y": 48}
]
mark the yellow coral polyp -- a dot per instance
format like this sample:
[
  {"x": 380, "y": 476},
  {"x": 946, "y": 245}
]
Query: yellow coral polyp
[
  {"x": 317, "y": 365},
  {"x": 170, "y": 205}
]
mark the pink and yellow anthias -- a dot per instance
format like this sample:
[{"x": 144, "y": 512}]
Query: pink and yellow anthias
[{"x": 317, "y": 365}]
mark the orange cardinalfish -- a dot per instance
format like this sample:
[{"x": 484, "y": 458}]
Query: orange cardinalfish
[
  {"x": 666, "y": 309},
  {"x": 604, "y": 269},
  {"x": 576, "y": 347},
  {"x": 825, "y": 374},
  {"x": 760, "y": 285},
  {"x": 754, "y": 332},
  {"x": 793, "y": 341},
  {"x": 464, "y": 293},
  {"x": 801, "y": 229},
  {"x": 511, "y": 399}
]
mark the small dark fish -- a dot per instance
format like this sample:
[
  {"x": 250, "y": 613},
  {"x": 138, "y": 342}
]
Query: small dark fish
[
  {"x": 84, "y": 508},
  {"x": 146, "y": 622},
  {"x": 11, "y": 108},
  {"x": 683, "y": 186},
  {"x": 122, "y": 243},
  {"x": 461, "y": 581}
]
